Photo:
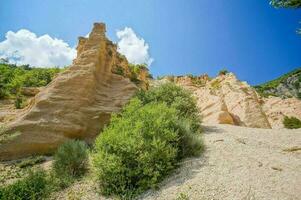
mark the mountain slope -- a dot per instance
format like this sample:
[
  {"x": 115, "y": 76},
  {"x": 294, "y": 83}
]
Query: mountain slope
[
  {"x": 287, "y": 85},
  {"x": 227, "y": 100}
]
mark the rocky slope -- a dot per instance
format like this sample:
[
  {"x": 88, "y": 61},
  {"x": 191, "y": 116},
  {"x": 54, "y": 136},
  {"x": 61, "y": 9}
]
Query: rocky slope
[
  {"x": 227, "y": 100},
  {"x": 77, "y": 103},
  {"x": 286, "y": 86},
  {"x": 239, "y": 163}
]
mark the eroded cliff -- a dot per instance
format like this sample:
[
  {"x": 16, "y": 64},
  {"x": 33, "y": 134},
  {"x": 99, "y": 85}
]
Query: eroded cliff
[
  {"x": 227, "y": 100},
  {"x": 76, "y": 104}
]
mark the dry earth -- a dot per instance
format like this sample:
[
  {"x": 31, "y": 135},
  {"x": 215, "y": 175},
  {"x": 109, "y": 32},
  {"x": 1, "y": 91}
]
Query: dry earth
[{"x": 239, "y": 164}]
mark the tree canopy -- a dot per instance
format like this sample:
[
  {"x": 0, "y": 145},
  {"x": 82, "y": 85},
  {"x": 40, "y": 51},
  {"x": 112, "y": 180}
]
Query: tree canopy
[{"x": 286, "y": 3}]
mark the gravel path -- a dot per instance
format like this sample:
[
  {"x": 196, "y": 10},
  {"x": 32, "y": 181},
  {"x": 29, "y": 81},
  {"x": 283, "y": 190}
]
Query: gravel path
[{"x": 239, "y": 163}]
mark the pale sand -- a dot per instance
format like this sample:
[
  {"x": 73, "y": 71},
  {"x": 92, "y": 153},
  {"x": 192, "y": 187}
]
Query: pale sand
[{"x": 239, "y": 164}]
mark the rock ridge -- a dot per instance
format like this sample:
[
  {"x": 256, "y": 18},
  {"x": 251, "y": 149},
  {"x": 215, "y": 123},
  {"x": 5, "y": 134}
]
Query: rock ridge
[
  {"x": 76, "y": 104},
  {"x": 227, "y": 100}
]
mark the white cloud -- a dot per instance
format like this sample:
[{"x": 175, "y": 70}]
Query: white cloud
[
  {"x": 134, "y": 48},
  {"x": 25, "y": 47}
]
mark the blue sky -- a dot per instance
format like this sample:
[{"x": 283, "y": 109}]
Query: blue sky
[{"x": 247, "y": 37}]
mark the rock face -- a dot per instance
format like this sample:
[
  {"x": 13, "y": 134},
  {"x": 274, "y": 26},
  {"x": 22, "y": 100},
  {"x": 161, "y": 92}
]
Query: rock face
[
  {"x": 226, "y": 100},
  {"x": 277, "y": 108},
  {"x": 286, "y": 86},
  {"x": 76, "y": 104}
]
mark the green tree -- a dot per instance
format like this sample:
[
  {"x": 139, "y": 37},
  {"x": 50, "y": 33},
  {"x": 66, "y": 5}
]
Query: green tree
[
  {"x": 13, "y": 78},
  {"x": 295, "y": 4},
  {"x": 286, "y": 3}
]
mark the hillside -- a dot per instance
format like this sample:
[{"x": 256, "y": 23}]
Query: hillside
[
  {"x": 227, "y": 100},
  {"x": 13, "y": 78},
  {"x": 287, "y": 85},
  {"x": 103, "y": 128}
]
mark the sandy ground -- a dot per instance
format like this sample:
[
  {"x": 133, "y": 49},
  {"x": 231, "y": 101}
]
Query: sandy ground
[{"x": 239, "y": 164}]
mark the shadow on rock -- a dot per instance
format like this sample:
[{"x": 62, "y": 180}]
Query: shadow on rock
[{"x": 208, "y": 129}]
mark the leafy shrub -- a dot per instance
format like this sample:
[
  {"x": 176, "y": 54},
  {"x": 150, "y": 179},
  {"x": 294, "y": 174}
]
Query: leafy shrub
[
  {"x": 32, "y": 187},
  {"x": 176, "y": 97},
  {"x": 223, "y": 72},
  {"x": 173, "y": 95},
  {"x": 119, "y": 70},
  {"x": 190, "y": 143},
  {"x": 19, "y": 102},
  {"x": 185, "y": 105},
  {"x": 71, "y": 159},
  {"x": 291, "y": 122},
  {"x": 145, "y": 141},
  {"x": 137, "y": 150},
  {"x": 135, "y": 71}
]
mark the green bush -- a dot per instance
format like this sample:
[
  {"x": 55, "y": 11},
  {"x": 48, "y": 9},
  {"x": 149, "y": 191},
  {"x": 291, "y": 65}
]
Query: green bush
[
  {"x": 135, "y": 71},
  {"x": 190, "y": 143},
  {"x": 119, "y": 70},
  {"x": 19, "y": 102},
  {"x": 185, "y": 105},
  {"x": 71, "y": 159},
  {"x": 173, "y": 95},
  {"x": 146, "y": 140},
  {"x": 32, "y": 187},
  {"x": 291, "y": 122},
  {"x": 137, "y": 150}
]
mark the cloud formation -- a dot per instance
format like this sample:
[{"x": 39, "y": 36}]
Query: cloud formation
[
  {"x": 25, "y": 47},
  {"x": 134, "y": 48}
]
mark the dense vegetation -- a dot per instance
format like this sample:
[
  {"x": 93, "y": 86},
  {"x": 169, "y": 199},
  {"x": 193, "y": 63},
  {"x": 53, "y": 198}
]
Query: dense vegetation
[
  {"x": 34, "y": 186},
  {"x": 13, "y": 78},
  {"x": 134, "y": 71},
  {"x": 146, "y": 140},
  {"x": 264, "y": 89},
  {"x": 70, "y": 163},
  {"x": 291, "y": 122}
]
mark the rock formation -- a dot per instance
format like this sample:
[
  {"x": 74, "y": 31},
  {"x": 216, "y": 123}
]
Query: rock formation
[
  {"x": 286, "y": 86},
  {"x": 277, "y": 108},
  {"x": 226, "y": 100},
  {"x": 76, "y": 104}
]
